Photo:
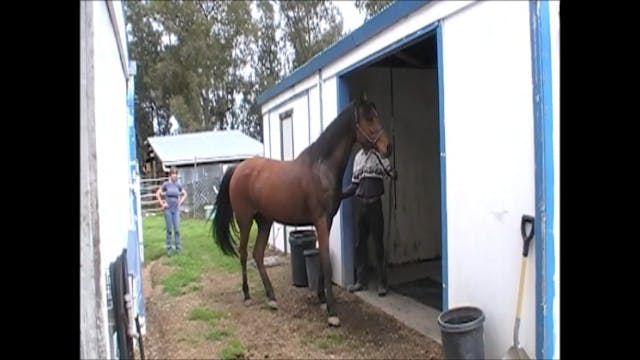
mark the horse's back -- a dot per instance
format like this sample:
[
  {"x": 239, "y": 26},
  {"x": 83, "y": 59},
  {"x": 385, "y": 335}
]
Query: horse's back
[{"x": 279, "y": 190}]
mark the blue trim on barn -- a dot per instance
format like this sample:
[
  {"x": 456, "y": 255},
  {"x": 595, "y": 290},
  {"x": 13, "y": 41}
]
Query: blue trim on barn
[
  {"x": 410, "y": 39},
  {"x": 375, "y": 25},
  {"x": 133, "y": 246},
  {"x": 544, "y": 175},
  {"x": 346, "y": 206},
  {"x": 443, "y": 173}
]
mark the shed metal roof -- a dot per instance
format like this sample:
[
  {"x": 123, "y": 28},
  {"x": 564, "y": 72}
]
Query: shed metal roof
[
  {"x": 205, "y": 146},
  {"x": 387, "y": 17}
]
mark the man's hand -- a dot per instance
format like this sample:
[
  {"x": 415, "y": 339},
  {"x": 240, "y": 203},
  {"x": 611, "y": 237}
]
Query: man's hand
[
  {"x": 394, "y": 174},
  {"x": 349, "y": 191}
]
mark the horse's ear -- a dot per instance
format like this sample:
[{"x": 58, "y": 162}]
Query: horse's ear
[{"x": 363, "y": 96}]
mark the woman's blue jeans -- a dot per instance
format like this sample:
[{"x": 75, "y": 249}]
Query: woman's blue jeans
[{"x": 172, "y": 218}]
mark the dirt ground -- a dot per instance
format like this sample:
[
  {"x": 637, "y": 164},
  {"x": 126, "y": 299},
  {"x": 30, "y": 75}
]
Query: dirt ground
[{"x": 297, "y": 330}]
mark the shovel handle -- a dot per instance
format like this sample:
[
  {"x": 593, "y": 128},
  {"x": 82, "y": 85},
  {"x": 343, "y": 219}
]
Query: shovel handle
[{"x": 526, "y": 237}]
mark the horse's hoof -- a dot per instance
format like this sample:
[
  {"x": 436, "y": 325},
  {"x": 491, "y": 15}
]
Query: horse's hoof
[
  {"x": 247, "y": 302},
  {"x": 334, "y": 321},
  {"x": 272, "y": 304},
  {"x": 323, "y": 306}
]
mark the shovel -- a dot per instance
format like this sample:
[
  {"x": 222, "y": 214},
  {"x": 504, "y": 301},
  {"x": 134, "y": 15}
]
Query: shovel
[{"x": 515, "y": 351}]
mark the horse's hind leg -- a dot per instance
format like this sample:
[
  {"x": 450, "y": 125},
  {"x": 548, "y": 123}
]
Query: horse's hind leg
[
  {"x": 264, "y": 226},
  {"x": 322, "y": 228},
  {"x": 245, "y": 227}
]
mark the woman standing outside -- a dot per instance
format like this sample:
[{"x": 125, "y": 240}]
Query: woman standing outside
[{"x": 174, "y": 195}]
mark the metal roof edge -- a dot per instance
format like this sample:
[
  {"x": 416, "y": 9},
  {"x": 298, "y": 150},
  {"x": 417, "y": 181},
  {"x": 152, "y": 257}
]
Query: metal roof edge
[
  {"x": 373, "y": 26},
  {"x": 209, "y": 160}
]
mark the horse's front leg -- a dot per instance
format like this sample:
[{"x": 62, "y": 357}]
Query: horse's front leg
[
  {"x": 322, "y": 228},
  {"x": 321, "y": 297}
]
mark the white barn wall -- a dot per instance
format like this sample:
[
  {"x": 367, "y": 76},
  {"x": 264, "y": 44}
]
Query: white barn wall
[
  {"x": 276, "y": 237},
  {"x": 300, "y": 121},
  {"x": 329, "y": 114},
  {"x": 111, "y": 138},
  {"x": 490, "y": 165},
  {"x": 314, "y": 113},
  {"x": 93, "y": 342},
  {"x": 300, "y": 124},
  {"x": 112, "y": 144},
  {"x": 415, "y": 21},
  {"x": 266, "y": 134},
  {"x": 109, "y": 116},
  {"x": 291, "y": 92}
]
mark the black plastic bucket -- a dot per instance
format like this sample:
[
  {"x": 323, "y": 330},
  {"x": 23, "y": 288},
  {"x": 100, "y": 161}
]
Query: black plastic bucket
[
  {"x": 300, "y": 240},
  {"x": 312, "y": 262},
  {"x": 462, "y": 333}
]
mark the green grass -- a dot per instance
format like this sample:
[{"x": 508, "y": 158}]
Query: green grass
[
  {"x": 217, "y": 334},
  {"x": 205, "y": 314},
  {"x": 199, "y": 252},
  {"x": 324, "y": 341},
  {"x": 233, "y": 350}
]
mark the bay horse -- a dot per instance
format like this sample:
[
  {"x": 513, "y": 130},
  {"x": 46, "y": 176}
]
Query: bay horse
[{"x": 301, "y": 192}]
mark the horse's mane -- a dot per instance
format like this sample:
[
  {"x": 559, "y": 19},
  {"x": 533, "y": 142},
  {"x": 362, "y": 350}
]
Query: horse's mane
[
  {"x": 342, "y": 126},
  {"x": 325, "y": 144}
]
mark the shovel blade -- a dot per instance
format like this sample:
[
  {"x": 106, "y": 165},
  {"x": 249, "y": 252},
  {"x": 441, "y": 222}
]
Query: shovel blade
[{"x": 515, "y": 353}]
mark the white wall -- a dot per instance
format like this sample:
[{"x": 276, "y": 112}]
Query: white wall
[
  {"x": 112, "y": 144},
  {"x": 409, "y": 25},
  {"x": 490, "y": 165},
  {"x": 300, "y": 116},
  {"x": 266, "y": 134},
  {"x": 314, "y": 114},
  {"x": 329, "y": 114},
  {"x": 291, "y": 92}
]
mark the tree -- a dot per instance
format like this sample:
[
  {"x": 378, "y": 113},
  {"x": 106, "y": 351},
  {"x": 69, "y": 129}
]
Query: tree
[
  {"x": 268, "y": 69},
  {"x": 191, "y": 56},
  {"x": 371, "y": 7},
  {"x": 205, "y": 62},
  {"x": 145, "y": 47},
  {"x": 310, "y": 27}
]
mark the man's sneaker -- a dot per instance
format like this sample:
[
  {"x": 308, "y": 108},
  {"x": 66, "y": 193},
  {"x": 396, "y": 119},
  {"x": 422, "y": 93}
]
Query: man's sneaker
[
  {"x": 357, "y": 287},
  {"x": 169, "y": 252},
  {"x": 382, "y": 290}
]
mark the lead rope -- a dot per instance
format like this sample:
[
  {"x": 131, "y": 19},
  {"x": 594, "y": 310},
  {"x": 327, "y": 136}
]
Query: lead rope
[{"x": 392, "y": 182}]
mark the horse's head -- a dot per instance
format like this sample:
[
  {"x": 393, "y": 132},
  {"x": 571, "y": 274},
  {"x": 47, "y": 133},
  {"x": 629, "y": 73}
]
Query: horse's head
[{"x": 369, "y": 130}]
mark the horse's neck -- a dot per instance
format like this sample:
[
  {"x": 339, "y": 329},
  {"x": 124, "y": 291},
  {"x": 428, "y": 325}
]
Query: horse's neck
[
  {"x": 334, "y": 145},
  {"x": 338, "y": 160}
]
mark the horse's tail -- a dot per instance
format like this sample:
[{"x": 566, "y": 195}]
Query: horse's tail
[{"x": 223, "y": 217}]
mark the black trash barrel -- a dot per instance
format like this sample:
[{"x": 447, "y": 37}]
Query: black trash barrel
[
  {"x": 462, "y": 333},
  {"x": 312, "y": 262},
  {"x": 300, "y": 240}
]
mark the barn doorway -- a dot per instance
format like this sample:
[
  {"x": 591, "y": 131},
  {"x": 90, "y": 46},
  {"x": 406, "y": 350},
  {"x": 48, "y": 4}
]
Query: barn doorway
[{"x": 403, "y": 82}]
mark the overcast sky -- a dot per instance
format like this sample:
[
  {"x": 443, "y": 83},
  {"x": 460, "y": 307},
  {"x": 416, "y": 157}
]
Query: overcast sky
[{"x": 352, "y": 19}]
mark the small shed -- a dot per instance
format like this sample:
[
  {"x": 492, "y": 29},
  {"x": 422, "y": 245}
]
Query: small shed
[
  {"x": 201, "y": 159},
  {"x": 469, "y": 92}
]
